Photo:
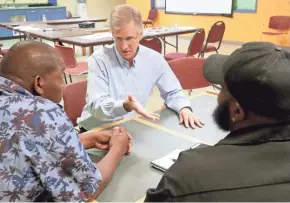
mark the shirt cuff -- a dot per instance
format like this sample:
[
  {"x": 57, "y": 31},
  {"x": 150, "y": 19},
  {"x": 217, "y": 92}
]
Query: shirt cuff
[
  {"x": 119, "y": 108},
  {"x": 182, "y": 105}
]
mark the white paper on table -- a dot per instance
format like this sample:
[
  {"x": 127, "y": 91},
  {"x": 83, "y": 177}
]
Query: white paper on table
[
  {"x": 26, "y": 28},
  {"x": 97, "y": 36}
]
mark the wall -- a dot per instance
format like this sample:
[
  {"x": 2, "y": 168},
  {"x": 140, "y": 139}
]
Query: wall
[
  {"x": 102, "y": 8},
  {"x": 242, "y": 27},
  {"x": 69, "y": 4}
]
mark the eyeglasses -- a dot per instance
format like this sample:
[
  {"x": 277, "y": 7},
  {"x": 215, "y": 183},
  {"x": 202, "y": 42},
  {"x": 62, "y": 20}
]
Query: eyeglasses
[
  {"x": 218, "y": 87},
  {"x": 128, "y": 40}
]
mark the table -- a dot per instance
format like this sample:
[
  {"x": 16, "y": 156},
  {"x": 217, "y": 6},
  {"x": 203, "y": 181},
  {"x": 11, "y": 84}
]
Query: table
[
  {"x": 75, "y": 21},
  {"x": 152, "y": 140},
  {"x": 105, "y": 38},
  {"x": 53, "y": 32}
]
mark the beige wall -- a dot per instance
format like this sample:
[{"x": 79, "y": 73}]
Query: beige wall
[
  {"x": 69, "y": 4},
  {"x": 95, "y": 8},
  {"x": 102, "y": 8}
]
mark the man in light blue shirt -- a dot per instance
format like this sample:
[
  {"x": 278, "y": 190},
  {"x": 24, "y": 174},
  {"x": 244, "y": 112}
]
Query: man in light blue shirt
[{"x": 121, "y": 78}]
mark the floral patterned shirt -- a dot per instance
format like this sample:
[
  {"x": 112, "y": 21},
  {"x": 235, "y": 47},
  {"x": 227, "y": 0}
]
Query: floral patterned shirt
[{"x": 40, "y": 152}]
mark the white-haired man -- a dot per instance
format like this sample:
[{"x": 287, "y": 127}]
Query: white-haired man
[{"x": 122, "y": 77}]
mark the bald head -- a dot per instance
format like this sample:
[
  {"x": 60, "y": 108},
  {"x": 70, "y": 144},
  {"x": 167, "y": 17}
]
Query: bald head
[{"x": 29, "y": 61}]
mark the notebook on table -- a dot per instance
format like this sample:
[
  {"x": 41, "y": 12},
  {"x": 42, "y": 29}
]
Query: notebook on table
[{"x": 168, "y": 160}]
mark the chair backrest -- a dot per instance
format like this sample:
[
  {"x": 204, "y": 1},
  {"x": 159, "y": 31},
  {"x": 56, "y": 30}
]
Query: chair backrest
[
  {"x": 196, "y": 43},
  {"x": 152, "y": 43},
  {"x": 152, "y": 15},
  {"x": 189, "y": 72},
  {"x": 74, "y": 98},
  {"x": 69, "y": 15},
  {"x": 280, "y": 23},
  {"x": 216, "y": 32},
  {"x": 68, "y": 55}
]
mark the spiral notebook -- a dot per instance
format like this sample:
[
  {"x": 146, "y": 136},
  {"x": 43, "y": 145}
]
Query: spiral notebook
[{"x": 168, "y": 160}]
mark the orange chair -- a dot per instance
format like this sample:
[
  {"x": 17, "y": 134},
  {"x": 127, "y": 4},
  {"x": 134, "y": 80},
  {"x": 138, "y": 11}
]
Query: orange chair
[
  {"x": 195, "y": 47},
  {"x": 152, "y": 43},
  {"x": 279, "y": 24},
  {"x": 152, "y": 16},
  {"x": 74, "y": 99},
  {"x": 189, "y": 72},
  {"x": 72, "y": 66},
  {"x": 215, "y": 36}
]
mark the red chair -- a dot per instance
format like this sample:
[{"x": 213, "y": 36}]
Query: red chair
[
  {"x": 279, "y": 24},
  {"x": 152, "y": 16},
  {"x": 189, "y": 72},
  {"x": 72, "y": 66},
  {"x": 215, "y": 36},
  {"x": 74, "y": 99},
  {"x": 3, "y": 51},
  {"x": 195, "y": 47},
  {"x": 69, "y": 15},
  {"x": 152, "y": 43}
]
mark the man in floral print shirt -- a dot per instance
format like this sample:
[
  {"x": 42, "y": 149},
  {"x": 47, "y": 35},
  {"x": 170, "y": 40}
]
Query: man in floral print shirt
[{"x": 41, "y": 156}]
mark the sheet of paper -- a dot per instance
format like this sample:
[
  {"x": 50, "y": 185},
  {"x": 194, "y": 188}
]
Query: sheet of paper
[
  {"x": 27, "y": 28},
  {"x": 167, "y": 161},
  {"x": 97, "y": 36}
]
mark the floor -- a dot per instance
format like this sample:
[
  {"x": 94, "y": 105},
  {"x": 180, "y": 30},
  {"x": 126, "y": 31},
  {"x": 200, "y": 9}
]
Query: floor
[{"x": 155, "y": 102}]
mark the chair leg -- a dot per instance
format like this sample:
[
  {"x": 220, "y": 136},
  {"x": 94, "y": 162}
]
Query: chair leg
[
  {"x": 216, "y": 51},
  {"x": 65, "y": 78},
  {"x": 189, "y": 92},
  {"x": 70, "y": 78}
]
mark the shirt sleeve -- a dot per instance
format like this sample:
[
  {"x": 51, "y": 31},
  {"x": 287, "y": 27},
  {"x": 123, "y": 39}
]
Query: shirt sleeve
[
  {"x": 160, "y": 194},
  {"x": 170, "y": 89},
  {"x": 60, "y": 161},
  {"x": 100, "y": 104}
]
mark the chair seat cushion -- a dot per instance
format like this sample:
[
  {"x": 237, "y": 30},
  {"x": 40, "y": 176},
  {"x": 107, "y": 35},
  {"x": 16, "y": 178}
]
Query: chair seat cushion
[
  {"x": 81, "y": 68},
  {"x": 173, "y": 56},
  {"x": 209, "y": 48},
  {"x": 4, "y": 51}
]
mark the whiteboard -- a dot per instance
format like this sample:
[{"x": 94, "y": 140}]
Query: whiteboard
[{"x": 199, "y": 6}]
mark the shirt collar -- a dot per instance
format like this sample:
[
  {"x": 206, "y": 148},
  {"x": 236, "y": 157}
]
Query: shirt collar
[
  {"x": 10, "y": 86},
  {"x": 123, "y": 61},
  {"x": 258, "y": 134}
]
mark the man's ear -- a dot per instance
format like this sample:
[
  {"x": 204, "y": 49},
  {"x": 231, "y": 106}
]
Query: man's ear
[
  {"x": 38, "y": 85},
  {"x": 237, "y": 113}
]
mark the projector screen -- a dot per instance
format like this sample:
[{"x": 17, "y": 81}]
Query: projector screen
[{"x": 209, "y": 7}]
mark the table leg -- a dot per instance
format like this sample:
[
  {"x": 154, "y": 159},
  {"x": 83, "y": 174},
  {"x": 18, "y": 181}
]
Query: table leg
[
  {"x": 91, "y": 50},
  {"x": 176, "y": 43},
  {"x": 164, "y": 51},
  {"x": 84, "y": 50}
]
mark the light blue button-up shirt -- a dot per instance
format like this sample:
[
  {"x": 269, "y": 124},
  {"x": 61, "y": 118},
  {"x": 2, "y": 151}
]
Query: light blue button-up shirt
[{"x": 111, "y": 80}]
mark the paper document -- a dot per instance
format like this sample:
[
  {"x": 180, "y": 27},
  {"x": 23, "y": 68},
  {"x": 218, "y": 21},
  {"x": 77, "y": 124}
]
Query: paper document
[
  {"x": 26, "y": 28},
  {"x": 97, "y": 36},
  {"x": 168, "y": 160}
]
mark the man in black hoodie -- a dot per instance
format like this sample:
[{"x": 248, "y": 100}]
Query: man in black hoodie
[{"x": 252, "y": 162}]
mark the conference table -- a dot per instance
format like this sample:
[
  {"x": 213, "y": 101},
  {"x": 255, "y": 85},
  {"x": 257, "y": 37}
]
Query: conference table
[
  {"x": 104, "y": 38},
  {"x": 75, "y": 21},
  {"x": 52, "y": 32},
  {"x": 153, "y": 140}
]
